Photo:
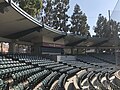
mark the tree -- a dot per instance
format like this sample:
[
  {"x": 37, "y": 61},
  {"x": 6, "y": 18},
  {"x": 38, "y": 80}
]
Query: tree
[
  {"x": 84, "y": 26},
  {"x": 105, "y": 28},
  {"x": 115, "y": 28},
  {"x": 48, "y": 10},
  {"x": 55, "y": 14},
  {"x": 79, "y": 22},
  {"x": 32, "y": 7},
  {"x": 61, "y": 8},
  {"x": 99, "y": 25}
]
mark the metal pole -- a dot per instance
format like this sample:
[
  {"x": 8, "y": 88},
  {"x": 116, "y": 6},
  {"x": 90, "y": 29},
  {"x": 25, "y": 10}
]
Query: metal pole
[{"x": 109, "y": 15}]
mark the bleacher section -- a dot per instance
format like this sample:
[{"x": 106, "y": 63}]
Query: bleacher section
[
  {"x": 105, "y": 60},
  {"x": 28, "y": 72},
  {"x": 105, "y": 57}
]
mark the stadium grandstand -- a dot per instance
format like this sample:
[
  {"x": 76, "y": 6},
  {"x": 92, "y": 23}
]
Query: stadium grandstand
[{"x": 37, "y": 57}]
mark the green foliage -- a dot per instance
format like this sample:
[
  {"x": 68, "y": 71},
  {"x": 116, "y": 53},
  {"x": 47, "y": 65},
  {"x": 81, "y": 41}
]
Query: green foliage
[
  {"x": 55, "y": 14},
  {"x": 32, "y": 7},
  {"x": 48, "y": 18},
  {"x": 79, "y": 22},
  {"x": 99, "y": 25},
  {"x": 105, "y": 28}
]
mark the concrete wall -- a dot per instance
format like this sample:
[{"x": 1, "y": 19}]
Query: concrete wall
[
  {"x": 50, "y": 40},
  {"x": 37, "y": 39},
  {"x": 66, "y": 58}
]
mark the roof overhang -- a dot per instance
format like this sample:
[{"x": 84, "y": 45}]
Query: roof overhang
[
  {"x": 74, "y": 40},
  {"x": 14, "y": 20},
  {"x": 15, "y": 23}
]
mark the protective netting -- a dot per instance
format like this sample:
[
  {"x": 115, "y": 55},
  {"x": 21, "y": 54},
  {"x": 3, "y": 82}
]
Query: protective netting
[
  {"x": 115, "y": 15},
  {"x": 116, "y": 12}
]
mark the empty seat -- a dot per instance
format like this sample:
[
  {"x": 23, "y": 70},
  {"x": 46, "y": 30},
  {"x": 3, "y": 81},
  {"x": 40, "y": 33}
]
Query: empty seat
[
  {"x": 61, "y": 81},
  {"x": 37, "y": 78},
  {"x": 22, "y": 75}
]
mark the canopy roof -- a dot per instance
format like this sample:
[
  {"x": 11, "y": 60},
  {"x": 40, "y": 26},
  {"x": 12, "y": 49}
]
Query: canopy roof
[{"x": 16, "y": 23}]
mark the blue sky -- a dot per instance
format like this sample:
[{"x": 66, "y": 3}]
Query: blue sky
[{"x": 92, "y": 8}]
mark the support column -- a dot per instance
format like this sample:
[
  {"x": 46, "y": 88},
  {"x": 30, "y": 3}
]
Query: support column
[
  {"x": 1, "y": 47},
  {"x": 72, "y": 51},
  {"x": 85, "y": 51},
  {"x": 36, "y": 49},
  {"x": 97, "y": 50},
  {"x": 12, "y": 47},
  {"x": 77, "y": 51}
]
